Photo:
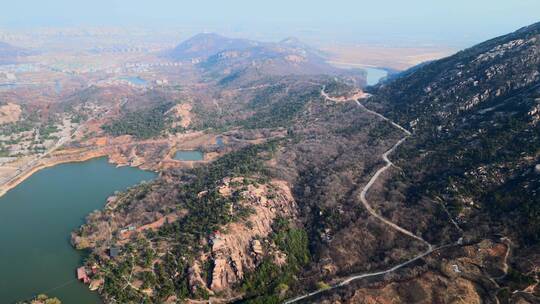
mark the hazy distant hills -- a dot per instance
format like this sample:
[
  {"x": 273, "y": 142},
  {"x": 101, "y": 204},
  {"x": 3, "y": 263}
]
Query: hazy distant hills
[
  {"x": 235, "y": 65},
  {"x": 9, "y": 54},
  {"x": 236, "y": 60},
  {"x": 207, "y": 44}
]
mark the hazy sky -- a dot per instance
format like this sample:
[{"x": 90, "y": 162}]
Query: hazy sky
[{"x": 439, "y": 21}]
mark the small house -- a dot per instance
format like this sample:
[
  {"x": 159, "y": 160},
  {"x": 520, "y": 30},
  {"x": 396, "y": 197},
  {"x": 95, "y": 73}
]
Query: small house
[{"x": 82, "y": 275}]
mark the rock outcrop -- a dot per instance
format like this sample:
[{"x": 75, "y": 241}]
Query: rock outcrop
[
  {"x": 239, "y": 249},
  {"x": 10, "y": 113}
]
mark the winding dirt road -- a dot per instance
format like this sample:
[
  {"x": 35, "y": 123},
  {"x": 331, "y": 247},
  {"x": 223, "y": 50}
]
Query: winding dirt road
[
  {"x": 372, "y": 212},
  {"x": 377, "y": 174},
  {"x": 353, "y": 278}
]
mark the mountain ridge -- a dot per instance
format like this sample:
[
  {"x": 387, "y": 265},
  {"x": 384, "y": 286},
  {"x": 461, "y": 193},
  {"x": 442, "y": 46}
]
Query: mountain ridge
[
  {"x": 204, "y": 45},
  {"x": 10, "y": 54}
]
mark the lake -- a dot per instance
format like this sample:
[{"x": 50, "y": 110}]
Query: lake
[
  {"x": 138, "y": 81},
  {"x": 189, "y": 155},
  {"x": 219, "y": 142},
  {"x": 36, "y": 219},
  {"x": 374, "y": 75},
  {"x": 58, "y": 87}
]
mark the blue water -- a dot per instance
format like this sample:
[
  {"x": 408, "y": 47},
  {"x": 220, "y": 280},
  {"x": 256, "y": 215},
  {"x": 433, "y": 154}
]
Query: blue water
[
  {"x": 8, "y": 86},
  {"x": 374, "y": 75},
  {"x": 36, "y": 221},
  {"x": 219, "y": 142},
  {"x": 58, "y": 87},
  {"x": 136, "y": 80},
  {"x": 189, "y": 155}
]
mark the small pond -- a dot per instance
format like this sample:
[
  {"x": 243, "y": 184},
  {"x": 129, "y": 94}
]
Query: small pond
[
  {"x": 189, "y": 155},
  {"x": 138, "y": 81}
]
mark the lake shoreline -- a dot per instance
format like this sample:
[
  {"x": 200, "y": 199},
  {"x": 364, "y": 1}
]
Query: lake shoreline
[
  {"x": 59, "y": 199},
  {"x": 17, "y": 180},
  {"x": 190, "y": 142}
]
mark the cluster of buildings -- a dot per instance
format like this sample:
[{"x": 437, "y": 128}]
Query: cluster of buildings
[
  {"x": 7, "y": 76},
  {"x": 152, "y": 64},
  {"x": 86, "y": 274}
]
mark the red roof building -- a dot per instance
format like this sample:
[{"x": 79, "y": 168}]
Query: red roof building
[{"x": 82, "y": 275}]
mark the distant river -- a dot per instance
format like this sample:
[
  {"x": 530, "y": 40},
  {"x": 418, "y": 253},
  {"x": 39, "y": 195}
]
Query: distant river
[
  {"x": 36, "y": 219},
  {"x": 374, "y": 75}
]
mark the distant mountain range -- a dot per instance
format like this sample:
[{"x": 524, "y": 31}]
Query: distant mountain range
[
  {"x": 232, "y": 59},
  {"x": 207, "y": 44},
  {"x": 10, "y": 54}
]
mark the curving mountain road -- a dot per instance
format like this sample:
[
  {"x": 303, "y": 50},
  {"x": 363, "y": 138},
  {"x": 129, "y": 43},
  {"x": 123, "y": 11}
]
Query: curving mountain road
[
  {"x": 377, "y": 174},
  {"x": 350, "y": 279},
  {"x": 384, "y": 118},
  {"x": 372, "y": 212}
]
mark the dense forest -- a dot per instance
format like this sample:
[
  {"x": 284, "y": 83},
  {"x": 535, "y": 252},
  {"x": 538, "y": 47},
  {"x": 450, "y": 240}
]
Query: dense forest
[
  {"x": 476, "y": 137},
  {"x": 142, "y": 124}
]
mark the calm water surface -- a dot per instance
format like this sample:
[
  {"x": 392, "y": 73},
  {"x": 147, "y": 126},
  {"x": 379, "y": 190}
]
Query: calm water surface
[
  {"x": 219, "y": 142},
  {"x": 136, "y": 80},
  {"x": 36, "y": 219},
  {"x": 189, "y": 155},
  {"x": 374, "y": 75}
]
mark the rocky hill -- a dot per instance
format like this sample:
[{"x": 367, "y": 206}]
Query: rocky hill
[
  {"x": 205, "y": 45},
  {"x": 475, "y": 117},
  {"x": 238, "y": 62},
  {"x": 270, "y": 60},
  {"x": 475, "y": 148},
  {"x": 477, "y": 78}
]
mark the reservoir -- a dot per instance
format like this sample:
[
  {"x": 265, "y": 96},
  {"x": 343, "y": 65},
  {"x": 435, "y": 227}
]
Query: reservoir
[
  {"x": 189, "y": 155},
  {"x": 36, "y": 219},
  {"x": 219, "y": 142},
  {"x": 374, "y": 75},
  {"x": 138, "y": 81}
]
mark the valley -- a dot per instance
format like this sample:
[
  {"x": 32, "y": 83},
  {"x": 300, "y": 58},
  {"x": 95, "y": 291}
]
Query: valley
[{"x": 273, "y": 175}]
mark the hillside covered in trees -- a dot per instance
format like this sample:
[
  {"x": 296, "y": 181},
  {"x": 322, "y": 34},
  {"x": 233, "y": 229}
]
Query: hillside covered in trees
[{"x": 448, "y": 152}]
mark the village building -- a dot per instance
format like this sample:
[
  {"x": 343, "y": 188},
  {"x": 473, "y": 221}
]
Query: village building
[{"x": 82, "y": 275}]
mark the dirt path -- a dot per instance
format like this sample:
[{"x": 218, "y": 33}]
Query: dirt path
[
  {"x": 377, "y": 174},
  {"x": 353, "y": 278},
  {"x": 508, "y": 243},
  {"x": 384, "y": 118},
  {"x": 368, "y": 186},
  {"x": 356, "y": 96},
  {"x": 369, "y": 208}
]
